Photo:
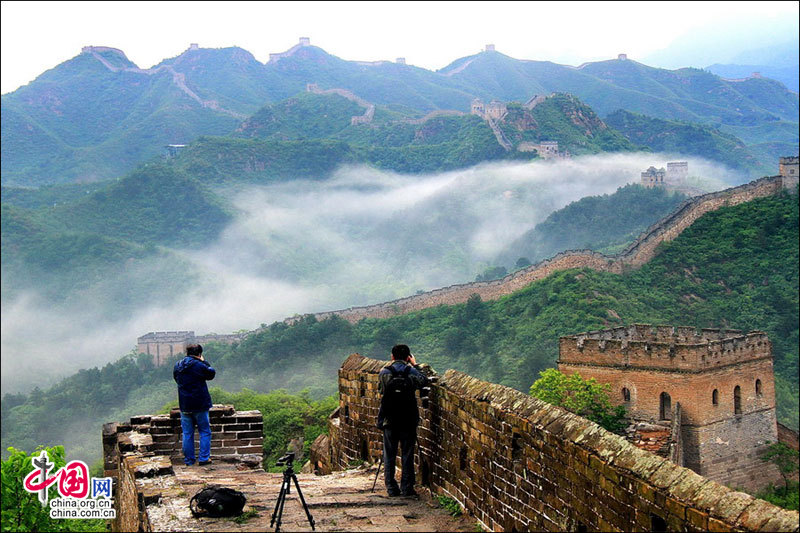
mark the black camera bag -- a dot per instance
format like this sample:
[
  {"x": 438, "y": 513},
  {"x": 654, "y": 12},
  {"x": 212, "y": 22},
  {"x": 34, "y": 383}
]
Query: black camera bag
[
  {"x": 398, "y": 403},
  {"x": 215, "y": 501}
]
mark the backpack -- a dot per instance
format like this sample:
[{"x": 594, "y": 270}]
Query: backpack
[
  {"x": 398, "y": 403},
  {"x": 215, "y": 501}
]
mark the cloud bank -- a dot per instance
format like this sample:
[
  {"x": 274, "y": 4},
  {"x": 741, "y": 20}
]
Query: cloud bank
[{"x": 362, "y": 237}]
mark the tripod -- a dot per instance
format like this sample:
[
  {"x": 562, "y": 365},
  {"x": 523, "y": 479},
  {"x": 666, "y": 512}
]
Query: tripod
[{"x": 288, "y": 477}]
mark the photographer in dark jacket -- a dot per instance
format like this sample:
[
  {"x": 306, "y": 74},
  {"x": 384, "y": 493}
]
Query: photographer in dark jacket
[
  {"x": 191, "y": 374},
  {"x": 398, "y": 417}
]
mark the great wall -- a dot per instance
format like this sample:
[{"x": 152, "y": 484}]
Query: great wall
[
  {"x": 635, "y": 255},
  {"x": 178, "y": 78},
  {"x": 520, "y": 464},
  {"x": 369, "y": 113},
  {"x": 513, "y": 462}
]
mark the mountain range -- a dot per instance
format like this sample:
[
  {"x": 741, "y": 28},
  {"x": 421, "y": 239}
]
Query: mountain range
[{"x": 97, "y": 115}]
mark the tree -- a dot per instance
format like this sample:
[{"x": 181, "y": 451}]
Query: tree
[
  {"x": 586, "y": 398},
  {"x": 522, "y": 262},
  {"x": 785, "y": 458}
]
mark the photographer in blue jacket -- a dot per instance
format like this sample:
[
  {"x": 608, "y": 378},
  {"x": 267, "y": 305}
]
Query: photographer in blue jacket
[{"x": 191, "y": 374}]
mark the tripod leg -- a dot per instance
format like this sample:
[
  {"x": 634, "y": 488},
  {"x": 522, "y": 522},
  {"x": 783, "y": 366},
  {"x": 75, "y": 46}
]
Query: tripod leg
[
  {"x": 378, "y": 473},
  {"x": 281, "y": 497},
  {"x": 280, "y": 511},
  {"x": 303, "y": 500}
]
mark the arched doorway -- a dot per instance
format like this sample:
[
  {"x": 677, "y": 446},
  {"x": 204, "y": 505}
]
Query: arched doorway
[{"x": 665, "y": 407}]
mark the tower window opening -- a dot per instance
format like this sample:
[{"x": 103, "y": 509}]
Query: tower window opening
[
  {"x": 758, "y": 388},
  {"x": 665, "y": 407},
  {"x": 715, "y": 397},
  {"x": 626, "y": 394},
  {"x": 737, "y": 400}
]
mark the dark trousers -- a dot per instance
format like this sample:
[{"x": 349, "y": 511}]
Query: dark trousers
[{"x": 405, "y": 439}]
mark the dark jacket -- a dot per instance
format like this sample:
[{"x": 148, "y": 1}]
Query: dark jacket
[
  {"x": 191, "y": 375},
  {"x": 417, "y": 378}
]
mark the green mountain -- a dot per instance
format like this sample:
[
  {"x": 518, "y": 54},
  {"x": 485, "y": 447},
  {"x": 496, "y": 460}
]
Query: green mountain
[
  {"x": 604, "y": 223},
  {"x": 565, "y": 119},
  {"x": 309, "y": 135},
  {"x": 689, "y": 139},
  {"x": 97, "y": 115},
  {"x": 83, "y": 122},
  {"x": 707, "y": 277},
  {"x": 683, "y": 94},
  {"x": 787, "y": 75}
]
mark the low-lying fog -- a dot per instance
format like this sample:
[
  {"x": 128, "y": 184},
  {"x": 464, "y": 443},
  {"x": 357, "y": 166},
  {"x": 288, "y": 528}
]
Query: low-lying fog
[{"x": 362, "y": 237}]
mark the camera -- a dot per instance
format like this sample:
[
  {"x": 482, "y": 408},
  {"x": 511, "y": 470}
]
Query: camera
[{"x": 286, "y": 460}]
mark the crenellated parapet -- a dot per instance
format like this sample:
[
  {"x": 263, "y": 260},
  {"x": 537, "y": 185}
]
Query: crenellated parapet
[{"x": 682, "y": 349}]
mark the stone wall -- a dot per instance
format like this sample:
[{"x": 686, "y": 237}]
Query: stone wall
[
  {"x": 637, "y": 254},
  {"x": 167, "y": 347},
  {"x": 236, "y": 436},
  {"x": 146, "y": 447},
  {"x": 368, "y": 115},
  {"x": 517, "y": 463}
]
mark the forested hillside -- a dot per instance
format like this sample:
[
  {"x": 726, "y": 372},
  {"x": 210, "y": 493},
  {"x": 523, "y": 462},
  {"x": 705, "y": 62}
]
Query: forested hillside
[
  {"x": 603, "y": 223},
  {"x": 736, "y": 267},
  {"x": 686, "y": 138},
  {"x": 101, "y": 244},
  {"x": 567, "y": 120}
]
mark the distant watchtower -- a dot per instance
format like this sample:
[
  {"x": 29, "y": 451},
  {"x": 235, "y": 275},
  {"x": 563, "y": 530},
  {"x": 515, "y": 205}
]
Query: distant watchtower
[
  {"x": 788, "y": 167},
  {"x": 677, "y": 172},
  {"x": 164, "y": 346},
  {"x": 653, "y": 177},
  {"x": 723, "y": 380}
]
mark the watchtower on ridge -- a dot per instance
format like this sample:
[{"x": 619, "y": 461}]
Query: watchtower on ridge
[{"x": 722, "y": 378}]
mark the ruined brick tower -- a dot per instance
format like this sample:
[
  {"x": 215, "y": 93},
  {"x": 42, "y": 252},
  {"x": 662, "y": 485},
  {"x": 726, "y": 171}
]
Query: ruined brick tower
[{"x": 723, "y": 380}]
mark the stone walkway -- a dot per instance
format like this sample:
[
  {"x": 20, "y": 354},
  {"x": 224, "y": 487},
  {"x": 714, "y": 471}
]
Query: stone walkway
[{"x": 342, "y": 501}]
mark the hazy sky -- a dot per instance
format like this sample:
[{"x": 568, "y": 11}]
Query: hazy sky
[{"x": 37, "y": 36}]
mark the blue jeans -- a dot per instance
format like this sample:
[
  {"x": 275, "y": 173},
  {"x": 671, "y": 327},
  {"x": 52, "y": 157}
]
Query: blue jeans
[{"x": 188, "y": 421}]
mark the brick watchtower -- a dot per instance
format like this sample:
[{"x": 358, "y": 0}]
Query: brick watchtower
[{"x": 723, "y": 380}]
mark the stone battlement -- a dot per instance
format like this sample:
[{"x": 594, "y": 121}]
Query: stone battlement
[
  {"x": 143, "y": 450},
  {"x": 673, "y": 348},
  {"x": 517, "y": 463}
]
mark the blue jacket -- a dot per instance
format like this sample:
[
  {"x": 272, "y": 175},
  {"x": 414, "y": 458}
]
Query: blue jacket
[{"x": 191, "y": 375}]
